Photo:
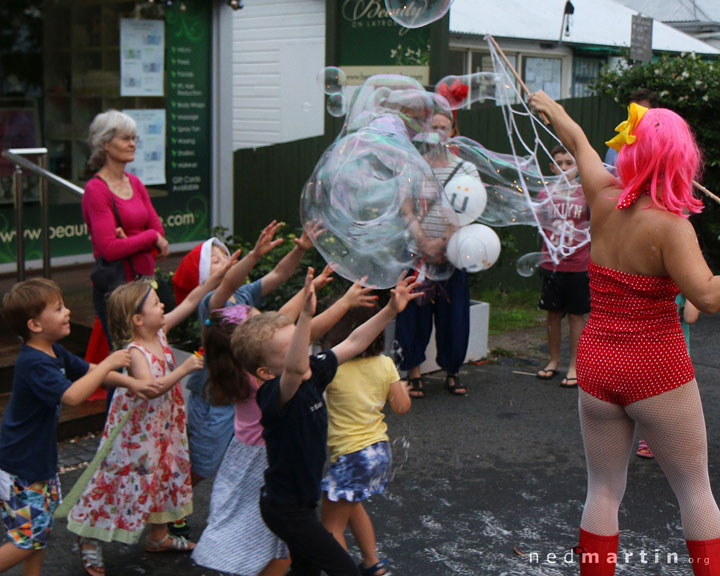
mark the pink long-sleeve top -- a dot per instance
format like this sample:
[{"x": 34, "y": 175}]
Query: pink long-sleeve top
[{"x": 139, "y": 221}]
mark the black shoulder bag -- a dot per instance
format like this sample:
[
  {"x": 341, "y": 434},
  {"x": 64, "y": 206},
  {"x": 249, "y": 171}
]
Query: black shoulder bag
[{"x": 106, "y": 275}]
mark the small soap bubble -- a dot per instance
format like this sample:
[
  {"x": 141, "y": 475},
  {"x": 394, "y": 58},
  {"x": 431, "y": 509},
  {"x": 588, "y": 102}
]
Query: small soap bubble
[
  {"x": 336, "y": 105},
  {"x": 332, "y": 79},
  {"x": 528, "y": 264},
  {"x": 417, "y": 13}
]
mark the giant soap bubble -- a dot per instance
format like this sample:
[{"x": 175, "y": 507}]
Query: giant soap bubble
[
  {"x": 383, "y": 189},
  {"x": 378, "y": 199},
  {"x": 417, "y": 13}
]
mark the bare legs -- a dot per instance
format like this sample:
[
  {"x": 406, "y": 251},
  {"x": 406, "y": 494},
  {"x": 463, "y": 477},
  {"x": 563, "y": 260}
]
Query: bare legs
[
  {"x": 11, "y": 555},
  {"x": 337, "y": 515},
  {"x": 576, "y": 323},
  {"x": 674, "y": 427}
]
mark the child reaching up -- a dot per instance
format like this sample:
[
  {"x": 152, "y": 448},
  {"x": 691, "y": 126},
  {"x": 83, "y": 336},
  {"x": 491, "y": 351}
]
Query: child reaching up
[
  {"x": 46, "y": 375},
  {"x": 294, "y": 420},
  {"x": 357, "y": 438},
  {"x": 145, "y": 475},
  {"x": 236, "y": 540}
]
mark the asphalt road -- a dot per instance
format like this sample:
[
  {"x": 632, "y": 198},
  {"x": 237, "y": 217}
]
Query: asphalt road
[{"x": 489, "y": 484}]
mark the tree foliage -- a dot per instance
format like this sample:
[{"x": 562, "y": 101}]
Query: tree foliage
[{"x": 690, "y": 86}]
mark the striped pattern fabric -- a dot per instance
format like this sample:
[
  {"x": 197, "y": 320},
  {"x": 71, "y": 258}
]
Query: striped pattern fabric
[{"x": 236, "y": 540}]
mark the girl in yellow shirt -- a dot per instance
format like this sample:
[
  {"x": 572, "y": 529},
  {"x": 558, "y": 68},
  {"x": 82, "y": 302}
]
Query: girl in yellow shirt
[{"x": 357, "y": 439}]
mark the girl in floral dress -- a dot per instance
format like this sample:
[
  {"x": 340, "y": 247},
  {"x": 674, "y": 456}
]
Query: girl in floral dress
[{"x": 143, "y": 475}]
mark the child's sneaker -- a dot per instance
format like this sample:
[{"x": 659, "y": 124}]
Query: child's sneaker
[{"x": 180, "y": 528}]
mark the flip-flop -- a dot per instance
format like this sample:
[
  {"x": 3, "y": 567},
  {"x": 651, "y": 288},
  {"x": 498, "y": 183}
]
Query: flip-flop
[
  {"x": 550, "y": 373},
  {"x": 569, "y": 382}
]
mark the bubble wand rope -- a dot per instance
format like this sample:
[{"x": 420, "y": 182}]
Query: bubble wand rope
[
  {"x": 514, "y": 72},
  {"x": 547, "y": 121}
]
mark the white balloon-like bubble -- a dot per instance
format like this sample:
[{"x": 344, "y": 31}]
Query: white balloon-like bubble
[
  {"x": 467, "y": 196},
  {"x": 474, "y": 248},
  {"x": 417, "y": 13}
]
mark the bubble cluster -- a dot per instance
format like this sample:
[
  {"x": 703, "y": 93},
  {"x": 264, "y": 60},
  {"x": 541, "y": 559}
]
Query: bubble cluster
[
  {"x": 395, "y": 192},
  {"x": 417, "y": 13},
  {"x": 331, "y": 80}
]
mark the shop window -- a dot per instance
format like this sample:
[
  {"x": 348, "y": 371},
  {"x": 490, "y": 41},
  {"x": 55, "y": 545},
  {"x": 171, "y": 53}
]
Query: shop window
[
  {"x": 543, "y": 74},
  {"x": 585, "y": 72}
]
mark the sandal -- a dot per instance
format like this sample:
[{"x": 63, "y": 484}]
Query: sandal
[
  {"x": 456, "y": 388},
  {"x": 546, "y": 374},
  {"x": 643, "y": 450},
  {"x": 91, "y": 556},
  {"x": 170, "y": 543},
  {"x": 569, "y": 382},
  {"x": 416, "y": 388},
  {"x": 379, "y": 569}
]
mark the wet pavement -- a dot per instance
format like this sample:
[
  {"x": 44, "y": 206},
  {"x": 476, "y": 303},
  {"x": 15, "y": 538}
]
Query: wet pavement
[{"x": 488, "y": 484}]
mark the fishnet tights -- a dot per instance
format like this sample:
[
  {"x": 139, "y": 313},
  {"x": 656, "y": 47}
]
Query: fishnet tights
[{"x": 673, "y": 425}]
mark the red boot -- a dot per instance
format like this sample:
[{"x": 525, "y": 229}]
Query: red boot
[
  {"x": 597, "y": 555},
  {"x": 705, "y": 556}
]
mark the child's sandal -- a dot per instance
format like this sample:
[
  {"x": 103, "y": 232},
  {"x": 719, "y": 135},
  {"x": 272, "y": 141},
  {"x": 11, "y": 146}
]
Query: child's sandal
[
  {"x": 91, "y": 556},
  {"x": 379, "y": 569},
  {"x": 170, "y": 543}
]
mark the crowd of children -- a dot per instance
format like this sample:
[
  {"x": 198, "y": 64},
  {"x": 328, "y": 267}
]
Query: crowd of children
[{"x": 257, "y": 418}]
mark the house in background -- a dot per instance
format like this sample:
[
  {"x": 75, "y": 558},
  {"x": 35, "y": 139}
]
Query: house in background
[
  {"x": 699, "y": 18},
  {"x": 554, "y": 51}
]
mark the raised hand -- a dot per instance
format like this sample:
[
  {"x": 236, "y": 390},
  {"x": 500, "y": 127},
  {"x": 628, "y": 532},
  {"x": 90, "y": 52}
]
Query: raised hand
[
  {"x": 309, "y": 296},
  {"x": 324, "y": 278},
  {"x": 403, "y": 293},
  {"x": 311, "y": 232},
  {"x": 265, "y": 242},
  {"x": 359, "y": 297}
]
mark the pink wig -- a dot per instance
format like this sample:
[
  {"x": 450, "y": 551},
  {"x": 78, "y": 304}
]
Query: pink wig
[{"x": 663, "y": 160}]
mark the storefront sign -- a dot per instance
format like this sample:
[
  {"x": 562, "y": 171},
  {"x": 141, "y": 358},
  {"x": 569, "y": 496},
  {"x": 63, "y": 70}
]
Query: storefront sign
[
  {"x": 188, "y": 116},
  {"x": 373, "y": 43}
]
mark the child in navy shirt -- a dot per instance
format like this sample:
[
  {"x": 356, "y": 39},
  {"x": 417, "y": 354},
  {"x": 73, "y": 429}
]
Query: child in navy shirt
[
  {"x": 294, "y": 420},
  {"x": 45, "y": 376}
]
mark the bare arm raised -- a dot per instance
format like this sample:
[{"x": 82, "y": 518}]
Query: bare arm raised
[{"x": 593, "y": 175}]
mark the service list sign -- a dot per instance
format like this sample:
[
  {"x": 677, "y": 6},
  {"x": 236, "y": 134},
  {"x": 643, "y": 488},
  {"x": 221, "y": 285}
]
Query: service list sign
[{"x": 188, "y": 61}]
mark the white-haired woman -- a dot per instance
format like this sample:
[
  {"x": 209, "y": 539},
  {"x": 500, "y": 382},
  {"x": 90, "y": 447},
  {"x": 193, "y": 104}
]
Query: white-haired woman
[{"x": 113, "y": 194}]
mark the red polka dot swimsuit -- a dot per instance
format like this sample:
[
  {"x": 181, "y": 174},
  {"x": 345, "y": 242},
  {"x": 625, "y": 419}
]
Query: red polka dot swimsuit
[{"x": 633, "y": 345}]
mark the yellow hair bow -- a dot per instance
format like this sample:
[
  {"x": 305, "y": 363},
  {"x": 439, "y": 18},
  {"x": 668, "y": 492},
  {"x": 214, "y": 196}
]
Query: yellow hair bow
[{"x": 627, "y": 129}]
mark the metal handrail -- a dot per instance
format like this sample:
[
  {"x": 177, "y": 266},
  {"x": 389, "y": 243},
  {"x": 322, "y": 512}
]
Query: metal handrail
[
  {"x": 18, "y": 157},
  {"x": 15, "y": 155}
]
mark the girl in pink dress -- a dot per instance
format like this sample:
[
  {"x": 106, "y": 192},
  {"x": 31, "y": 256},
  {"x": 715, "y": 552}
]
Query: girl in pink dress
[{"x": 143, "y": 476}]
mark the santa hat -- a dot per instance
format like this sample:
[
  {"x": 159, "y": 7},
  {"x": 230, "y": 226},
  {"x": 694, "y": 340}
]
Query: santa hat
[{"x": 194, "y": 268}]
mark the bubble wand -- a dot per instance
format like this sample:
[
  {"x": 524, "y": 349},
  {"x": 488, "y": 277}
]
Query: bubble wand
[{"x": 514, "y": 72}]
